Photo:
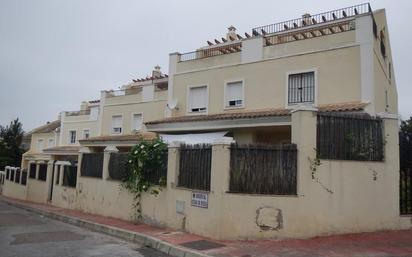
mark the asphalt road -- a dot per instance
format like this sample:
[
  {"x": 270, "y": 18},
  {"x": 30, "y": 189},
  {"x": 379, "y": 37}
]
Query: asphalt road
[{"x": 23, "y": 234}]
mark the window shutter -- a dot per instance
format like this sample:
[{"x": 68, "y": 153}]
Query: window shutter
[
  {"x": 117, "y": 124},
  {"x": 198, "y": 97},
  {"x": 234, "y": 92},
  {"x": 137, "y": 121}
]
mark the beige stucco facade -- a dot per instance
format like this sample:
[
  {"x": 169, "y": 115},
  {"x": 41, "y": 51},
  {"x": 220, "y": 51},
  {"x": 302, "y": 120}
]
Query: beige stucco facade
[{"x": 338, "y": 197}]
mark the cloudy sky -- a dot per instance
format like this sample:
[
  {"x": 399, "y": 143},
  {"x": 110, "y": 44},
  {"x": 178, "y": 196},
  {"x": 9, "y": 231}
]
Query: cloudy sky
[{"x": 56, "y": 53}]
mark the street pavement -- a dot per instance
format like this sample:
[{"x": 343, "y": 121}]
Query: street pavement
[{"x": 24, "y": 233}]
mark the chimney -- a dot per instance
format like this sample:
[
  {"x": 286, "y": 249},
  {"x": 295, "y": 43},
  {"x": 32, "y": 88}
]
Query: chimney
[
  {"x": 83, "y": 106},
  {"x": 156, "y": 73},
  {"x": 231, "y": 33},
  {"x": 307, "y": 19}
]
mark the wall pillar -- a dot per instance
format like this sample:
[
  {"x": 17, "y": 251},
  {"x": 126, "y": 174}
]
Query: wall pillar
[
  {"x": 49, "y": 178},
  {"x": 61, "y": 175},
  {"x": 37, "y": 170},
  {"x": 106, "y": 159},
  {"x": 219, "y": 182},
  {"x": 304, "y": 136},
  {"x": 173, "y": 164}
]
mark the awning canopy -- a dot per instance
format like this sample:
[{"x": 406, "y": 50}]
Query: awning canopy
[{"x": 198, "y": 138}]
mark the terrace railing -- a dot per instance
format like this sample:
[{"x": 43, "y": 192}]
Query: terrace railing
[
  {"x": 210, "y": 52},
  {"x": 320, "y": 18},
  {"x": 78, "y": 113}
]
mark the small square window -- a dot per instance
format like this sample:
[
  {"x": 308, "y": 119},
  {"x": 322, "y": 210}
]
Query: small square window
[
  {"x": 301, "y": 88},
  {"x": 86, "y": 134}
]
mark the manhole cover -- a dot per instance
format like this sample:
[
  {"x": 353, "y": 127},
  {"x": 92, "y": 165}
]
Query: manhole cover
[
  {"x": 16, "y": 219},
  {"x": 43, "y": 237},
  {"x": 202, "y": 245}
]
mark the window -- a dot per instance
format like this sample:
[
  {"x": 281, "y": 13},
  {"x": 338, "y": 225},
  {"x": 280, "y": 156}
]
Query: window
[
  {"x": 50, "y": 143},
  {"x": 117, "y": 124},
  {"x": 72, "y": 136},
  {"x": 301, "y": 88},
  {"x": 198, "y": 99},
  {"x": 137, "y": 122},
  {"x": 86, "y": 133},
  {"x": 390, "y": 70},
  {"x": 40, "y": 144},
  {"x": 234, "y": 94}
]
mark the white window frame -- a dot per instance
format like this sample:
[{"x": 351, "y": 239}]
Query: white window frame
[
  {"x": 37, "y": 144},
  {"x": 121, "y": 127},
  {"x": 225, "y": 105},
  {"x": 294, "y": 105},
  {"x": 70, "y": 136},
  {"x": 83, "y": 134},
  {"x": 188, "y": 110},
  {"x": 132, "y": 119}
]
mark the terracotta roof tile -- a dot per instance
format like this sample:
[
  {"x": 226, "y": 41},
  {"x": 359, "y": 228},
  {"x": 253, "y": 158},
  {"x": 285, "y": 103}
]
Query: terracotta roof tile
[
  {"x": 139, "y": 136},
  {"x": 67, "y": 148},
  {"x": 259, "y": 113},
  {"x": 341, "y": 107},
  {"x": 46, "y": 128}
]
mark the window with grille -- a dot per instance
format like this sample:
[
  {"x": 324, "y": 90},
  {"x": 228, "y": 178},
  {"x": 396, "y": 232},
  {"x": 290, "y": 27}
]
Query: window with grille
[
  {"x": 86, "y": 134},
  {"x": 198, "y": 99},
  {"x": 301, "y": 88},
  {"x": 234, "y": 94}
]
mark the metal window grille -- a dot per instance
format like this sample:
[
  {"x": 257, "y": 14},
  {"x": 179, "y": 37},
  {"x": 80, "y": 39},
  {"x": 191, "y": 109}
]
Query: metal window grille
[{"x": 301, "y": 88}]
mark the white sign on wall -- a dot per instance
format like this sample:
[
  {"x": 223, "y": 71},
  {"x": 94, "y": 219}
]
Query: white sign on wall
[{"x": 199, "y": 199}]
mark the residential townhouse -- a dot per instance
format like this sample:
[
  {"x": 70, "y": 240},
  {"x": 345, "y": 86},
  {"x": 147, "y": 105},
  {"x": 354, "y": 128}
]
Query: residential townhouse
[{"x": 317, "y": 92}]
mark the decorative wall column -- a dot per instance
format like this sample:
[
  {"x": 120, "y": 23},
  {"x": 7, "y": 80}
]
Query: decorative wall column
[
  {"x": 106, "y": 159},
  {"x": 49, "y": 178},
  {"x": 304, "y": 136}
]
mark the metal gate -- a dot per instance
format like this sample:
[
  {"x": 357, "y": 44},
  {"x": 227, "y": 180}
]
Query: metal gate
[{"x": 405, "y": 182}]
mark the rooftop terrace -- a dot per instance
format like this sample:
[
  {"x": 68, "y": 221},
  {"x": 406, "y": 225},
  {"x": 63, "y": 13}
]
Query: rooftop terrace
[{"x": 306, "y": 27}]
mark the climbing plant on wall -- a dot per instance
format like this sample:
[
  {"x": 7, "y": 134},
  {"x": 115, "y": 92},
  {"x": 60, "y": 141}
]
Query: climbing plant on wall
[{"x": 145, "y": 157}]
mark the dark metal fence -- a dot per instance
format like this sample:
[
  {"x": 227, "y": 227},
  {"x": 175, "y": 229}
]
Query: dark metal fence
[
  {"x": 349, "y": 137},
  {"x": 17, "y": 178},
  {"x": 263, "y": 169},
  {"x": 118, "y": 165},
  {"x": 7, "y": 174},
  {"x": 70, "y": 175},
  {"x": 32, "y": 170},
  {"x": 155, "y": 175},
  {"x": 12, "y": 175},
  {"x": 43, "y": 171},
  {"x": 405, "y": 180},
  {"x": 320, "y": 18},
  {"x": 24, "y": 177},
  {"x": 195, "y": 166},
  {"x": 92, "y": 165}
]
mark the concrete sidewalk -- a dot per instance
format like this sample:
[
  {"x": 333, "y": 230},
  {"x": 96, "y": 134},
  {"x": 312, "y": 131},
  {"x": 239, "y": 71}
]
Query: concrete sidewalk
[{"x": 177, "y": 243}]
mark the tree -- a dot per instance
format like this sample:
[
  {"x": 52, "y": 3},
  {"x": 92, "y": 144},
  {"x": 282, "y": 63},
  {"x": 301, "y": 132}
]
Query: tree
[
  {"x": 406, "y": 126},
  {"x": 11, "y": 137}
]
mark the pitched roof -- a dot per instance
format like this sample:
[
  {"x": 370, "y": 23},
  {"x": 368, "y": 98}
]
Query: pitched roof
[
  {"x": 46, "y": 128},
  {"x": 259, "y": 113}
]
